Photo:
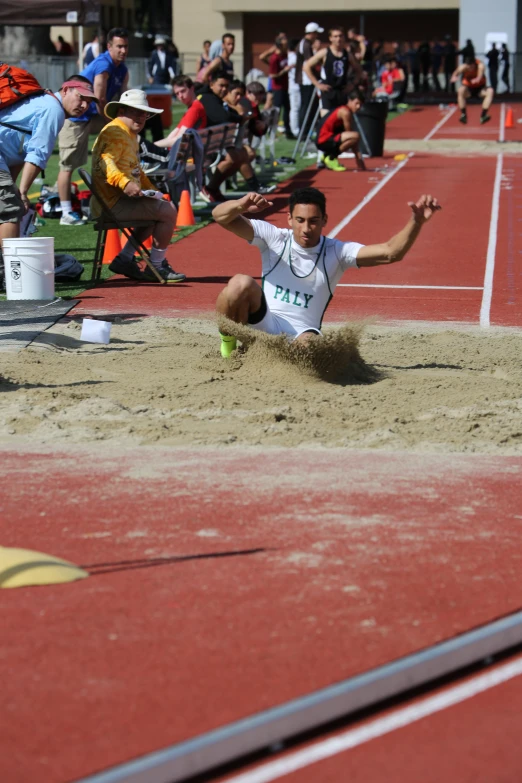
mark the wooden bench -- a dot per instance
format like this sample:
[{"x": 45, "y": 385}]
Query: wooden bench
[{"x": 216, "y": 140}]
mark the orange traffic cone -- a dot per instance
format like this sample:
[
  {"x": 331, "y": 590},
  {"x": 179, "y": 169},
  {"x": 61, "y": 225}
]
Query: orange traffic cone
[
  {"x": 185, "y": 213},
  {"x": 112, "y": 246},
  {"x": 148, "y": 242},
  {"x": 510, "y": 121}
]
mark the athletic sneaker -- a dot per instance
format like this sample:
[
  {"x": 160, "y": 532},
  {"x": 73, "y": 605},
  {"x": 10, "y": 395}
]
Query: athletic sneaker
[
  {"x": 463, "y": 119},
  {"x": 485, "y": 118},
  {"x": 166, "y": 272},
  {"x": 122, "y": 266},
  {"x": 228, "y": 344},
  {"x": 211, "y": 196},
  {"x": 333, "y": 164},
  {"x": 72, "y": 219}
]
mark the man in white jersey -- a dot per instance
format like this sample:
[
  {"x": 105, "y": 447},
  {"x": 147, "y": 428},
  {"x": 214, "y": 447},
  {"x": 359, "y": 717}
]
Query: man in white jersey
[{"x": 300, "y": 266}]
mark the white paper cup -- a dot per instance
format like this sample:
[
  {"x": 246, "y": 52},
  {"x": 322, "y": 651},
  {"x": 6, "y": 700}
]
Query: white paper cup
[{"x": 96, "y": 331}]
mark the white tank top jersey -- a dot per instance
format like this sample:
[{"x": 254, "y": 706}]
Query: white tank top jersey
[{"x": 298, "y": 282}]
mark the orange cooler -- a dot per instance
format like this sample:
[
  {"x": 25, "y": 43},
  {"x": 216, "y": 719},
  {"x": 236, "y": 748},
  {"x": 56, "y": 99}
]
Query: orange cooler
[{"x": 160, "y": 97}]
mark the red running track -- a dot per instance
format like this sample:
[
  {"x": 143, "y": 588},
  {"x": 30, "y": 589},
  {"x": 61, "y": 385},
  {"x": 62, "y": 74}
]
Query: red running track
[
  {"x": 213, "y": 597},
  {"x": 420, "y": 122},
  {"x": 440, "y": 280},
  {"x": 474, "y": 741}
]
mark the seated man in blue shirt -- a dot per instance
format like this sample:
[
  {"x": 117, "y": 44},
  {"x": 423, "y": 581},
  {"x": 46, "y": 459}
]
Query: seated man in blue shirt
[
  {"x": 109, "y": 75},
  {"x": 28, "y": 132}
]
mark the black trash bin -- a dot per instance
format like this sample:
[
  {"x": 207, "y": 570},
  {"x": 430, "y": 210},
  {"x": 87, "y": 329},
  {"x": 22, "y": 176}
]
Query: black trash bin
[{"x": 371, "y": 119}]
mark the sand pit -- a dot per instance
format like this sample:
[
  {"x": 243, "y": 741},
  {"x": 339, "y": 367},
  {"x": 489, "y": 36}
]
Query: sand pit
[
  {"x": 460, "y": 147},
  {"x": 163, "y": 381}
]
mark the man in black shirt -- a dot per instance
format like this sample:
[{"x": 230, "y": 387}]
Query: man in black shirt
[
  {"x": 340, "y": 71},
  {"x": 450, "y": 63},
  {"x": 222, "y": 63},
  {"x": 493, "y": 57}
]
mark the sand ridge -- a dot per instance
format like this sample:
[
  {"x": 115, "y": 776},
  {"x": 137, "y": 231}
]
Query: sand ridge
[{"x": 163, "y": 381}]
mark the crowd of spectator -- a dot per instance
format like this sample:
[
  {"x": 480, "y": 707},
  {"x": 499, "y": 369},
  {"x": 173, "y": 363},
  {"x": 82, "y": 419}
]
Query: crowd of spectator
[{"x": 311, "y": 82}]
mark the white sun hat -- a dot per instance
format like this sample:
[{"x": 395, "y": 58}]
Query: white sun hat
[
  {"x": 313, "y": 27},
  {"x": 136, "y": 99}
]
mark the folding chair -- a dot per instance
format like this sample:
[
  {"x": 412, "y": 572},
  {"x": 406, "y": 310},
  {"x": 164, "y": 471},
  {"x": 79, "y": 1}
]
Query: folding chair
[
  {"x": 271, "y": 117},
  {"x": 108, "y": 221}
]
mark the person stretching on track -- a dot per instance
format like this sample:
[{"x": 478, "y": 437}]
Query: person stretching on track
[
  {"x": 336, "y": 134},
  {"x": 300, "y": 266},
  {"x": 473, "y": 73}
]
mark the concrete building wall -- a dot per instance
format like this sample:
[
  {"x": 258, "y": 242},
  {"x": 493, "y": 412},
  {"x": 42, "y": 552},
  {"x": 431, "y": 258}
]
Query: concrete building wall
[
  {"x": 311, "y": 6},
  {"x": 480, "y": 17},
  {"x": 255, "y": 24},
  {"x": 197, "y": 20}
]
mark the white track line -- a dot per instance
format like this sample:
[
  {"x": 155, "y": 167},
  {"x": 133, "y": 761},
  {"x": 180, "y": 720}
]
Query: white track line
[
  {"x": 440, "y": 124},
  {"x": 501, "y": 130},
  {"x": 492, "y": 247},
  {"x": 422, "y": 287},
  {"x": 373, "y": 192},
  {"x": 380, "y": 726}
]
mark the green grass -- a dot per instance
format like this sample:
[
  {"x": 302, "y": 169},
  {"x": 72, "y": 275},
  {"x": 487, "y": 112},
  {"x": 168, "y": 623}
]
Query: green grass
[{"x": 80, "y": 241}]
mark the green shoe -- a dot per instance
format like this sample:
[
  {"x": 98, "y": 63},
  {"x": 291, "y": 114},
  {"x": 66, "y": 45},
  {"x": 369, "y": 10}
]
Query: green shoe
[
  {"x": 228, "y": 344},
  {"x": 333, "y": 164}
]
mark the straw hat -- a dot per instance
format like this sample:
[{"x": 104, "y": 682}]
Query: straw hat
[{"x": 136, "y": 99}]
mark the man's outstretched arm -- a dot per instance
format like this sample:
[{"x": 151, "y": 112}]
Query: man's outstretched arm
[
  {"x": 397, "y": 247},
  {"x": 230, "y": 214}
]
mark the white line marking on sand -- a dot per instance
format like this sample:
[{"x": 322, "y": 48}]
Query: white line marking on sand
[
  {"x": 423, "y": 287},
  {"x": 492, "y": 247},
  {"x": 380, "y": 726},
  {"x": 373, "y": 192},
  {"x": 440, "y": 124}
]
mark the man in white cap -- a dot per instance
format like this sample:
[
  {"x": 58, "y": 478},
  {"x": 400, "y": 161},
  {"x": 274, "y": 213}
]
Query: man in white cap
[
  {"x": 162, "y": 66},
  {"x": 127, "y": 191},
  {"x": 305, "y": 50}
]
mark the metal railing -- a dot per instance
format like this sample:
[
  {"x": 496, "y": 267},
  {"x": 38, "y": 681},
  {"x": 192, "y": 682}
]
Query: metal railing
[{"x": 51, "y": 72}]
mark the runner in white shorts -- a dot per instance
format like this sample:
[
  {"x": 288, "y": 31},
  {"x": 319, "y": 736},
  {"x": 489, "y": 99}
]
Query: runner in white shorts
[{"x": 300, "y": 266}]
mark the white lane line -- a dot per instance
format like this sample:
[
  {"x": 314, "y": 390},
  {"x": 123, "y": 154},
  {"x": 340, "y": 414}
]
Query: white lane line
[
  {"x": 501, "y": 131},
  {"x": 422, "y": 287},
  {"x": 440, "y": 124},
  {"x": 492, "y": 247},
  {"x": 373, "y": 192},
  {"x": 380, "y": 726}
]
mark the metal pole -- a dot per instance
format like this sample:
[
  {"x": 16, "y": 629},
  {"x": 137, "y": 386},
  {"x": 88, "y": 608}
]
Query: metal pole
[
  {"x": 312, "y": 127},
  {"x": 303, "y": 126},
  {"x": 362, "y": 134},
  {"x": 80, "y": 47}
]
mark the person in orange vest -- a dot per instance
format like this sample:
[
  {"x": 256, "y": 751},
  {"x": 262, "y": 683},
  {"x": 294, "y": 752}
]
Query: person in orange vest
[{"x": 473, "y": 85}]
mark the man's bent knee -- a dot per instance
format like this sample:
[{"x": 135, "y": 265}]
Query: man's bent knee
[{"x": 239, "y": 285}]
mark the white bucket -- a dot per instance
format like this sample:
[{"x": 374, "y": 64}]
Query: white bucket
[{"x": 29, "y": 267}]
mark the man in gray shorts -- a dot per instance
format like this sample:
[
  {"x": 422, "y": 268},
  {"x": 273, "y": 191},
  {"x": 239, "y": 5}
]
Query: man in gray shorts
[
  {"x": 28, "y": 132},
  {"x": 109, "y": 75}
]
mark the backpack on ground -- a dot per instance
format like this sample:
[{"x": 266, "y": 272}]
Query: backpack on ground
[
  {"x": 16, "y": 85},
  {"x": 67, "y": 268}
]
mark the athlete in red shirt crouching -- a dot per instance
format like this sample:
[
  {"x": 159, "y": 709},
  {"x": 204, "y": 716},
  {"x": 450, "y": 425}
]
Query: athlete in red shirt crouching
[{"x": 336, "y": 134}]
